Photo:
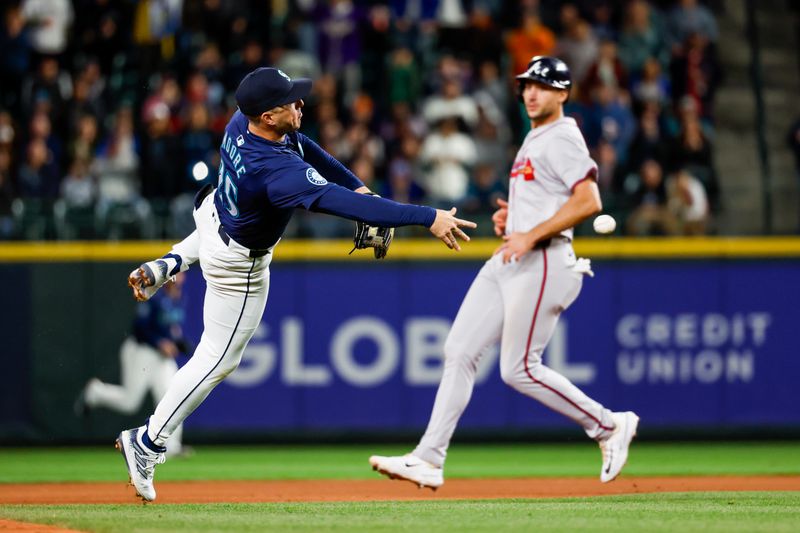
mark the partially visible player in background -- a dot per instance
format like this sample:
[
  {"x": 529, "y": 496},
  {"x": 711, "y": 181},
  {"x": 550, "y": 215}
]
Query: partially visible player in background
[
  {"x": 147, "y": 361},
  {"x": 267, "y": 170},
  {"x": 522, "y": 289}
]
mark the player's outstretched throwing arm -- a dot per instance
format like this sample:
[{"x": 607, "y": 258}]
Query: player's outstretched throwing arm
[
  {"x": 377, "y": 211},
  {"x": 443, "y": 224}
]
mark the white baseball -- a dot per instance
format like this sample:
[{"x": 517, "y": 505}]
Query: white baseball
[{"x": 604, "y": 224}]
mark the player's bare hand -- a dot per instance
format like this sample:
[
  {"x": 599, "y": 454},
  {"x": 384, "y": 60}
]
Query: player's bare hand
[
  {"x": 447, "y": 228},
  {"x": 500, "y": 216},
  {"x": 137, "y": 282},
  {"x": 516, "y": 245}
]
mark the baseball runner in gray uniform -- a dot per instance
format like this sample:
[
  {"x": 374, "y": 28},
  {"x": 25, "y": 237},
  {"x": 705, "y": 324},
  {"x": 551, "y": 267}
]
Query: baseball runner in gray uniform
[
  {"x": 522, "y": 289},
  {"x": 267, "y": 170}
]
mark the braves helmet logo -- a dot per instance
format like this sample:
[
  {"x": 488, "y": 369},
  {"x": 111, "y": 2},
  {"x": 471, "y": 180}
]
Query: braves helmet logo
[{"x": 540, "y": 69}]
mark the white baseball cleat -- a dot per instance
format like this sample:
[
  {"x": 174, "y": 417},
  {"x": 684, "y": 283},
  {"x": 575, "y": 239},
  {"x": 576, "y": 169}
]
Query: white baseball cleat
[
  {"x": 615, "y": 447},
  {"x": 411, "y": 468},
  {"x": 148, "y": 278},
  {"x": 140, "y": 461}
]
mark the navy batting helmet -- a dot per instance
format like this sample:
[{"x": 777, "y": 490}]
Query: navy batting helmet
[{"x": 548, "y": 70}]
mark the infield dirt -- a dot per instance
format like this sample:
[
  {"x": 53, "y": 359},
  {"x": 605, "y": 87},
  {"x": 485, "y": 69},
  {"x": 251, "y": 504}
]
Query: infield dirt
[{"x": 380, "y": 489}]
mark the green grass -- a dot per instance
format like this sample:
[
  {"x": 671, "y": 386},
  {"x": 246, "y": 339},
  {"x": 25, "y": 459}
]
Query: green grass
[
  {"x": 350, "y": 462},
  {"x": 708, "y": 512}
]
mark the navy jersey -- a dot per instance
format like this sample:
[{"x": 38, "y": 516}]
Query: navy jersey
[
  {"x": 261, "y": 182},
  {"x": 159, "y": 318}
]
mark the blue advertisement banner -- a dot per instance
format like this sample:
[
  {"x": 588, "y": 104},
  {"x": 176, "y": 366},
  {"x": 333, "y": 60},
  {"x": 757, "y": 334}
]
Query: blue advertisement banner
[{"x": 684, "y": 343}]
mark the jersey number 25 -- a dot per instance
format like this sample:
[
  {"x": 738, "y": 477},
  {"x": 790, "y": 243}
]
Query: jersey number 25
[{"x": 229, "y": 192}]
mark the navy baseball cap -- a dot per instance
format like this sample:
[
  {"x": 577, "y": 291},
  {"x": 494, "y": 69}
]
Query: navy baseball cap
[{"x": 268, "y": 87}]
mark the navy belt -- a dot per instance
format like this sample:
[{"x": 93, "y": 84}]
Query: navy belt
[
  {"x": 226, "y": 239},
  {"x": 541, "y": 245}
]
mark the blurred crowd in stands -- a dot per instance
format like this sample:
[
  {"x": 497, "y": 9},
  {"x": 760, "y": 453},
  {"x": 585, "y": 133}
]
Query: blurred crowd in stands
[{"x": 112, "y": 111}]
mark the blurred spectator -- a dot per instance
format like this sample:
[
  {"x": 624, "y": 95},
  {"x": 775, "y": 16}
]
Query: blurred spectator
[
  {"x": 365, "y": 170},
  {"x": 210, "y": 64},
  {"x": 242, "y": 61},
  {"x": 610, "y": 119},
  {"x": 154, "y": 25},
  {"x": 687, "y": 18},
  {"x": 577, "y": 46},
  {"x": 339, "y": 45},
  {"x": 642, "y": 37},
  {"x": 50, "y": 20},
  {"x": 607, "y": 70},
  {"x": 359, "y": 142},
  {"x": 294, "y": 62},
  {"x": 492, "y": 85},
  {"x": 84, "y": 139},
  {"x": 6, "y": 196},
  {"x": 650, "y": 141},
  {"x": 48, "y": 90},
  {"x": 79, "y": 189},
  {"x": 603, "y": 21},
  {"x": 650, "y": 215},
  {"x": 117, "y": 162},
  {"x": 40, "y": 128},
  {"x": 162, "y": 167},
  {"x": 532, "y": 38},
  {"x": 8, "y": 133},
  {"x": 688, "y": 203},
  {"x": 447, "y": 156},
  {"x": 199, "y": 142},
  {"x": 484, "y": 191},
  {"x": 452, "y": 102},
  {"x": 83, "y": 103},
  {"x": 607, "y": 169},
  {"x": 390, "y": 77},
  {"x": 99, "y": 34},
  {"x": 484, "y": 43},
  {"x": 692, "y": 150},
  {"x": 652, "y": 87},
  {"x": 402, "y": 185},
  {"x": 15, "y": 59},
  {"x": 405, "y": 85},
  {"x": 39, "y": 175},
  {"x": 491, "y": 142},
  {"x": 695, "y": 72},
  {"x": 452, "y": 21},
  {"x": 377, "y": 45}
]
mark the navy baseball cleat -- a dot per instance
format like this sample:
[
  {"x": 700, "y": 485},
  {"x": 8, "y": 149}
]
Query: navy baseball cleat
[
  {"x": 148, "y": 278},
  {"x": 615, "y": 447},
  {"x": 140, "y": 461}
]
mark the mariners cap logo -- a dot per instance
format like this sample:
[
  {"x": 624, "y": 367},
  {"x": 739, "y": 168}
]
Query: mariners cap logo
[
  {"x": 282, "y": 73},
  {"x": 315, "y": 177}
]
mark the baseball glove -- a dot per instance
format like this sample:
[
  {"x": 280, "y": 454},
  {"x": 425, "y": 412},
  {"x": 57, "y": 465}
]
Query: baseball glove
[{"x": 367, "y": 236}]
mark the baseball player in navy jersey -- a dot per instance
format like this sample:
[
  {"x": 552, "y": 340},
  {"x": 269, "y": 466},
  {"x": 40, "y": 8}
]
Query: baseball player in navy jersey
[
  {"x": 267, "y": 170},
  {"x": 147, "y": 361},
  {"x": 520, "y": 292}
]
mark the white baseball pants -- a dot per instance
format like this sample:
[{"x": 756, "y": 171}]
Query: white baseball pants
[
  {"x": 143, "y": 368},
  {"x": 236, "y": 295},
  {"x": 517, "y": 304}
]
